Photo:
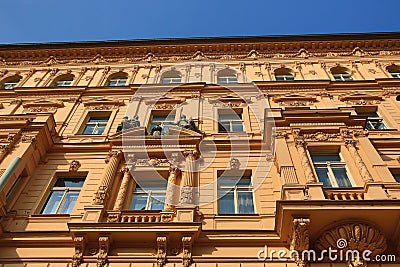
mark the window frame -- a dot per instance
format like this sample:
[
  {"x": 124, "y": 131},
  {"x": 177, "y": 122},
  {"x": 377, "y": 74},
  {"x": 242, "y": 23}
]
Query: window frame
[
  {"x": 236, "y": 189},
  {"x": 11, "y": 81},
  {"x": 93, "y": 113},
  {"x": 149, "y": 197},
  {"x": 328, "y": 165},
  {"x": 117, "y": 79},
  {"x": 375, "y": 119},
  {"x": 166, "y": 114},
  {"x": 240, "y": 114},
  {"x": 53, "y": 188}
]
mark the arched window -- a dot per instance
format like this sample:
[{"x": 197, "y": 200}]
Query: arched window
[
  {"x": 341, "y": 74},
  {"x": 118, "y": 79},
  {"x": 172, "y": 76},
  {"x": 283, "y": 74},
  {"x": 63, "y": 80},
  {"x": 394, "y": 71},
  {"x": 10, "y": 83},
  {"x": 226, "y": 76}
]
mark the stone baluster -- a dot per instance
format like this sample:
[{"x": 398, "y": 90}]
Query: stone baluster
[
  {"x": 189, "y": 178},
  {"x": 113, "y": 159},
  {"x": 351, "y": 146},
  {"x": 123, "y": 190},
  {"x": 171, "y": 188},
  {"x": 305, "y": 161}
]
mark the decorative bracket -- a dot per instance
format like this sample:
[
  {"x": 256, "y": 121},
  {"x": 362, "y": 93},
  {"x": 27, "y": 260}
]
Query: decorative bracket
[
  {"x": 187, "y": 251},
  {"x": 300, "y": 238},
  {"x": 104, "y": 246},
  {"x": 161, "y": 250},
  {"x": 79, "y": 243}
]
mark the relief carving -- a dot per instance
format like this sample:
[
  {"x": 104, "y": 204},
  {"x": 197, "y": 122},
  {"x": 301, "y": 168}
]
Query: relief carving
[
  {"x": 300, "y": 238},
  {"x": 79, "y": 242},
  {"x": 104, "y": 246},
  {"x": 74, "y": 166},
  {"x": 187, "y": 251},
  {"x": 234, "y": 164},
  {"x": 161, "y": 250}
]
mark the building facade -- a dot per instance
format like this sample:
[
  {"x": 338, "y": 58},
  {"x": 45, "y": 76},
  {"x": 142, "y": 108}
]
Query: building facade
[{"x": 255, "y": 151}]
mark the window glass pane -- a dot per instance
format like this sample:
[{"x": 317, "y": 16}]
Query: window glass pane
[
  {"x": 100, "y": 129},
  {"x": 323, "y": 176},
  {"x": 89, "y": 129},
  {"x": 325, "y": 158},
  {"x": 53, "y": 202},
  {"x": 341, "y": 176},
  {"x": 245, "y": 202},
  {"x": 139, "y": 201},
  {"x": 226, "y": 202},
  {"x": 69, "y": 182},
  {"x": 68, "y": 203},
  {"x": 230, "y": 116},
  {"x": 157, "y": 202},
  {"x": 237, "y": 126},
  {"x": 98, "y": 119}
]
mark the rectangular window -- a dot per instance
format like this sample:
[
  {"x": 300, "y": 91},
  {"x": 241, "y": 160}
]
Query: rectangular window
[
  {"x": 330, "y": 169},
  {"x": 375, "y": 122},
  {"x": 96, "y": 124},
  {"x": 396, "y": 174},
  {"x": 149, "y": 195},
  {"x": 235, "y": 195},
  {"x": 63, "y": 195},
  {"x": 230, "y": 122},
  {"x": 163, "y": 120}
]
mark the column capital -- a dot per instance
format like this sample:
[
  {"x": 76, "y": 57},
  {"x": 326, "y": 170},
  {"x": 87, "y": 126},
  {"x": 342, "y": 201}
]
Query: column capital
[
  {"x": 191, "y": 154},
  {"x": 113, "y": 154},
  {"x": 174, "y": 170},
  {"x": 350, "y": 143},
  {"x": 300, "y": 142}
]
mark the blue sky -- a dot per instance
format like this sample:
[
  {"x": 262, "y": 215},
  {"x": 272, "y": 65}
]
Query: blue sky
[{"x": 31, "y": 21}]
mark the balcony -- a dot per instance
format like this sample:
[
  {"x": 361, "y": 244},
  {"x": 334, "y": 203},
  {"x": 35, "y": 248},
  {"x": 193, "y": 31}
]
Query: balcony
[
  {"x": 134, "y": 216},
  {"x": 344, "y": 194}
]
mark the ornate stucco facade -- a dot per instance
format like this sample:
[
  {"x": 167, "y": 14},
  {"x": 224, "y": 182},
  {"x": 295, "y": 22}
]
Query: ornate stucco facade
[{"x": 95, "y": 137}]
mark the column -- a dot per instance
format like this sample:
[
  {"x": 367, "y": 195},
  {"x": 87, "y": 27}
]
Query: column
[
  {"x": 112, "y": 160},
  {"x": 351, "y": 146},
  {"x": 171, "y": 188},
  {"x": 305, "y": 161},
  {"x": 189, "y": 177},
  {"x": 123, "y": 190}
]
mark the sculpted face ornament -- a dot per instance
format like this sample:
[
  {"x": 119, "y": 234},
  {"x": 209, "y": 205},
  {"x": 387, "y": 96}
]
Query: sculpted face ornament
[{"x": 204, "y": 124}]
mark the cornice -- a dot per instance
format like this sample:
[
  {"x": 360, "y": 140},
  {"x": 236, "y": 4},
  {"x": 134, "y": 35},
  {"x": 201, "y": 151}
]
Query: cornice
[{"x": 175, "y": 50}]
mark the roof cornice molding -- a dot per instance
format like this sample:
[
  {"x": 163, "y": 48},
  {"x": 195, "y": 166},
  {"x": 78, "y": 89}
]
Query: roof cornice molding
[{"x": 175, "y": 50}]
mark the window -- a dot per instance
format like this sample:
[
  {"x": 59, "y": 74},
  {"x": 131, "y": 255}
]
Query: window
[
  {"x": 11, "y": 83},
  {"x": 162, "y": 120},
  {"x": 63, "y": 195},
  {"x": 283, "y": 74},
  {"x": 149, "y": 195},
  {"x": 341, "y": 74},
  {"x": 394, "y": 71},
  {"x": 171, "y": 77},
  {"x": 118, "y": 81},
  {"x": 96, "y": 125},
  {"x": 230, "y": 122},
  {"x": 330, "y": 169},
  {"x": 235, "y": 195},
  {"x": 396, "y": 174},
  {"x": 67, "y": 81},
  {"x": 375, "y": 122},
  {"x": 226, "y": 77}
]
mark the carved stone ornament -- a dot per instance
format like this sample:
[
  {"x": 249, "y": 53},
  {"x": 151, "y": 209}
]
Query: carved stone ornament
[
  {"x": 234, "y": 164},
  {"x": 161, "y": 250},
  {"x": 187, "y": 251},
  {"x": 100, "y": 196},
  {"x": 104, "y": 246},
  {"x": 322, "y": 137},
  {"x": 360, "y": 99},
  {"x": 187, "y": 195},
  {"x": 295, "y": 100},
  {"x": 300, "y": 238},
  {"x": 152, "y": 162},
  {"x": 79, "y": 242},
  {"x": 103, "y": 104},
  {"x": 42, "y": 105},
  {"x": 353, "y": 236},
  {"x": 74, "y": 166}
]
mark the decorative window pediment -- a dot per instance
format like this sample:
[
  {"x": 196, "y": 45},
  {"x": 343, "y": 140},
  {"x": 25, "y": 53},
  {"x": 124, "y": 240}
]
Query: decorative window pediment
[
  {"x": 295, "y": 100},
  {"x": 165, "y": 103},
  {"x": 103, "y": 104},
  {"x": 360, "y": 99},
  {"x": 42, "y": 105}
]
